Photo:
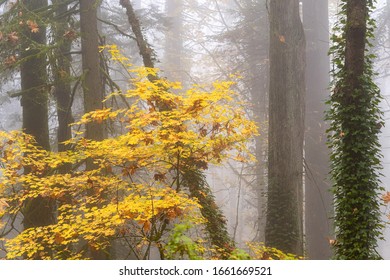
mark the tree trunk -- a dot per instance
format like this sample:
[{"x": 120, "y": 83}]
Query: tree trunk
[
  {"x": 355, "y": 43},
  {"x": 92, "y": 81},
  {"x": 318, "y": 198},
  {"x": 62, "y": 77},
  {"x": 145, "y": 50},
  {"x": 193, "y": 179},
  {"x": 38, "y": 211},
  {"x": 284, "y": 227},
  {"x": 356, "y": 123},
  {"x": 34, "y": 83},
  {"x": 259, "y": 88}
]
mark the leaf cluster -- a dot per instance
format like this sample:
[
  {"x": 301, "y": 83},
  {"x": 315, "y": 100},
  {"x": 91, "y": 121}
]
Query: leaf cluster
[{"x": 138, "y": 186}]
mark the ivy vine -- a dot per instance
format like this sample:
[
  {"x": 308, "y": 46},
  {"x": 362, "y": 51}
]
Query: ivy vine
[{"x": 355, "y": 122}]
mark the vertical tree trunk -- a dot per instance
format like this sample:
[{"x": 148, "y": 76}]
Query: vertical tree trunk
[
  {"x": 284, "y": 227},
  {"x": 62, "y": 77},
  {"x": 318, "y": 198},
  {"x": 259, "y": 88},
  {"x": 356, "y": 122},
  {"x": 92, "y": 82},
  {"x": 355, "y": 43},
  {"x": 38, "y": 211},
  {"x": 34, "y": 83}
]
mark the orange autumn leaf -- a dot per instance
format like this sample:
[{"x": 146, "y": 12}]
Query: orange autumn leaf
[
  {"x": 171, "y": 213},
  {"x": 13, "y": 37},
  {"x": 33, "y": 26},
  {"x": 9, "y": 61},
  {"x": 147, "y": 226},
  {"x": 386, "y": 197},
  {"x": 58, "y": 238},
  {"x": 332, "y": 242},
  {"x": 70, "y": 35}
]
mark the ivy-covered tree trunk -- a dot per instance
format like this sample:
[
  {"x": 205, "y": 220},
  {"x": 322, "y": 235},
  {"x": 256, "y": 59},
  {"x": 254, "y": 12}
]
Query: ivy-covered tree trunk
[
  {"x": 284, "y": 226},
  {"x": 356, "y": 122},
  {"x": 193, "y": 178},
  {"x": 318, "y": 198},
  {"x": 37, "y": 211},
  {"x": 216, "y": 222}
]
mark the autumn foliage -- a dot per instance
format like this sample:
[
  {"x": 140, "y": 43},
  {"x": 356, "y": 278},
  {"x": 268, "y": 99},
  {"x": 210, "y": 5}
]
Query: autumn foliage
[{"x": 135, "y": 192}]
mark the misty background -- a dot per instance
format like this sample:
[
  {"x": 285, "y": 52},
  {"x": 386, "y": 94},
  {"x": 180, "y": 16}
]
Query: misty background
[{"x": 200, "y": 41}]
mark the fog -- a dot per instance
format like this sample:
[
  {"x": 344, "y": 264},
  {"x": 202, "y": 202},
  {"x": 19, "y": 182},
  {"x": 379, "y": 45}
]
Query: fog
[{"x": 199, "y": 42}]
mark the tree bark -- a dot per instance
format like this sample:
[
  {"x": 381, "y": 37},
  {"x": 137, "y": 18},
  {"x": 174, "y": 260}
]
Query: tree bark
[
  {"x": 357, "y": 210},
  {"x": 145, "y": 50},
  {"x": 62, "y": 76},
  {"x": 284, "y": 226},
  {"x": 38, "y": 211},
  {"x": 257, "y": 52},
  {"x": 92, "y": 81},
  {"x": 34, "y": 83},
  {"x": 193, "y": 179},
  {"x": 355, "y": 43}
]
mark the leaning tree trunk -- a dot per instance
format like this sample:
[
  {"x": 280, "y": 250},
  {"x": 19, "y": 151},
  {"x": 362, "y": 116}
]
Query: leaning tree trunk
[
  {"x": 286, "y": 125},
  {"x": 193, "y": 179}
]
